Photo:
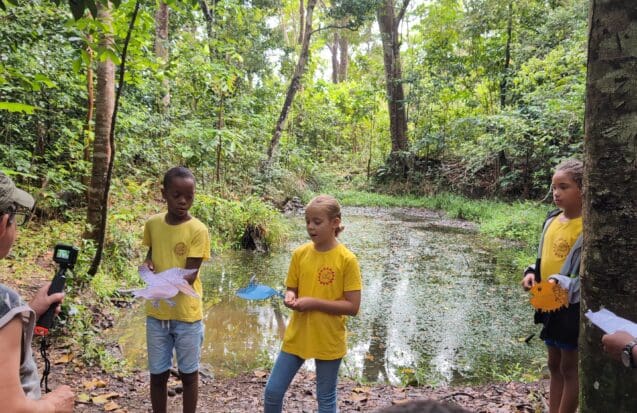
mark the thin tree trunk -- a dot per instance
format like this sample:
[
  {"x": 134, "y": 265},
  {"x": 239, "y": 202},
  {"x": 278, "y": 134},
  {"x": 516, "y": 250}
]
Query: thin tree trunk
[
  {"x": 220, "y": 125},
  {"x": 388, "y": 23},
  {"x": 104, "y": 106},
  {"x": 610, "y": 199},
  {"x": 162, "y": 52},
  {"x": 86, "y": 135},
  {"x": 507, "y": 57},
  {"x": 301, "y": 23},
  {"x": 294, "y": 86}
]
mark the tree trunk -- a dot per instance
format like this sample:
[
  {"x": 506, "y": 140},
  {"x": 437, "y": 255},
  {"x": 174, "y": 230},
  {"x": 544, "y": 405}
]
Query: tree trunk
[
  {"x": 161, "y": 51},
  {"x": 90, "y": 98},
  {"x": 610, "y": 199},
  {"x": 104, "y": 106},
  {"x": 334, "y": 52},
  {"x": 294, "y": 86},
  {"x": 388, "y": 24},
  {"x": 343, "y": 45},
  {"x": 507, "y": 57},
  {"x": 301, "y": 22},
  {"x": 221, "y": 123}
]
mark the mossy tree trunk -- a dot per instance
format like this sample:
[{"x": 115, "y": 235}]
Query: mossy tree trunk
[{"x": 610, "y": 199}]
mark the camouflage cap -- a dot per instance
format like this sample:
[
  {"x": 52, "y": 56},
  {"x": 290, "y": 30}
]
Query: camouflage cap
[{"x": 10, "y": 195}]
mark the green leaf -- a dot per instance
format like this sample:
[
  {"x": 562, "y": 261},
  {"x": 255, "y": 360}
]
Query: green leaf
[
  {"x": 17, "y": 107},
  {"x": 77, "y": 8}
]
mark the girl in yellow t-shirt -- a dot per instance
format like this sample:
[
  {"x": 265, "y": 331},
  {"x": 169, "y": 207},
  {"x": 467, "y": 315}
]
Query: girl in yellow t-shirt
[
  {"x": 323, "y": 286},
  {"x": 559, "y": 245}
]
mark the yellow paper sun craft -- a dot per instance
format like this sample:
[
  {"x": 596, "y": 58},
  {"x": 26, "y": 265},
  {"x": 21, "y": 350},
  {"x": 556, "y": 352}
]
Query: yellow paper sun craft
[{"x": 548, "y": 296}]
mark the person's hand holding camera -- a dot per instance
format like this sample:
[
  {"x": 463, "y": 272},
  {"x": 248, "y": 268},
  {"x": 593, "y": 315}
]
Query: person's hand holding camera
[
  {"x": 42, "y": 300},
  {"x": 62, "y": 399}
]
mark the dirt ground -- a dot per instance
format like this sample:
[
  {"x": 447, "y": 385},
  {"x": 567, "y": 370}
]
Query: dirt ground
[{"x": 100, "y": 392}]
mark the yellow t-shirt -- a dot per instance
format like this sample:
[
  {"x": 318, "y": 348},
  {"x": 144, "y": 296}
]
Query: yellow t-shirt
[
  {"x": 558, "y": 241},
  {"x": 326, "y": 275},
  {"x": 170, "y": 246}
]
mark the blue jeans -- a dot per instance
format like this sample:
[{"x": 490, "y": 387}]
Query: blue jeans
[{"x": 283, "y": 372}]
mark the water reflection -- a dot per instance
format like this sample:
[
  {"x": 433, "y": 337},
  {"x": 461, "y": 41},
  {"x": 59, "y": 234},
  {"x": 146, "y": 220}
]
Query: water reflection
[{"x": 432, "y": 307}]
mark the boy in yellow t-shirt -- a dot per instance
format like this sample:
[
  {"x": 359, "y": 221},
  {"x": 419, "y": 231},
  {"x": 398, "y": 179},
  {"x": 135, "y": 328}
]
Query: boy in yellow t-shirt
[
  {"x": 323, "y": 286},
  {"x": 176, "y": 239}
]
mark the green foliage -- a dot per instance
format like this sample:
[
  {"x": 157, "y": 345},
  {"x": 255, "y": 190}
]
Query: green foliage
[{"x": 227, "y": 220}]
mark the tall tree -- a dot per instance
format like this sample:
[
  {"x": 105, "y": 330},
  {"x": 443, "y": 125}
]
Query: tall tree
[
  {"x": 610, "y": 198},
  {"x": 104, "y": 106},
  {"x": 295, "y": 83},
  {"x": 389, "y": 17}
]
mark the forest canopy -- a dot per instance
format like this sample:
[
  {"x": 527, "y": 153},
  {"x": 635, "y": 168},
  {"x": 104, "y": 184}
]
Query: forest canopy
[{"x": 493, "y": 94}]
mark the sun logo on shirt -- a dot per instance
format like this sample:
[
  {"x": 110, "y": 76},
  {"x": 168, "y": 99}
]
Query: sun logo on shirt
[
  {"x": 561, "y": 248},
  {"x": 326, "y": 275},
  {"x": 180, "y": 249}
]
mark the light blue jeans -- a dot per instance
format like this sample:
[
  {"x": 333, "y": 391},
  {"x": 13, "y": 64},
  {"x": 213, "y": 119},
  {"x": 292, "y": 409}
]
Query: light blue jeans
[
  {"x": 283, "y": 372},
  {"x": 162, "y": 336}
]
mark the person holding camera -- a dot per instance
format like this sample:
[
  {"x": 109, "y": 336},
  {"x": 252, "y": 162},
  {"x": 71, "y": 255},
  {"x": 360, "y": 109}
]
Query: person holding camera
[{"x": 19, "y": 382}]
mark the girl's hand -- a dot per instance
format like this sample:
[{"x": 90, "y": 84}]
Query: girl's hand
[
  {"x": 528, "y": 281},
  {"x": 289, "y": 299},
  {"x": 303, "y": 304}
]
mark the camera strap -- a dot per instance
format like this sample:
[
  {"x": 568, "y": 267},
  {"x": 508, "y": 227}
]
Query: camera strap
[{"x": 44, "y": 346}]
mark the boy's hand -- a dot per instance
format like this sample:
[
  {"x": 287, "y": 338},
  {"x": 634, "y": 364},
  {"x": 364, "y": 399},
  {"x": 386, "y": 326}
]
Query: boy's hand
[
  {"x": 528, "y": 281},
  {"x": 62, "y": 399},
  {"x": 41, "y": 301},
  {"x": 149, "y": 264}
]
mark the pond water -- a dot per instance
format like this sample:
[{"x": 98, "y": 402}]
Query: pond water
[{"x": 438, "y": 305}]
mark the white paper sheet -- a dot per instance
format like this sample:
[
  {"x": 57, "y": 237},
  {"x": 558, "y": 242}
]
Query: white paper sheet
[{"x": 610, "y": 323}]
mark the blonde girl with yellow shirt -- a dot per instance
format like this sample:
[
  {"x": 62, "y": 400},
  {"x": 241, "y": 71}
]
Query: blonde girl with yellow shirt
[
  {"x": 323, "y": 286},
  {"x": 560, "y": 248}
]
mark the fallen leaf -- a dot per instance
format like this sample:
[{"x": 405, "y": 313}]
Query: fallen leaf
[
  {"x": 63, "y": 359},
  {"x": 103, "y": 398},
  {"x": 110, "y": 406},
  {"x": 357, "y": 397},
  {"x": 360, "y": 389},
  {"x": 83, "y": 398},
  {"x": 94, "y": 384}
]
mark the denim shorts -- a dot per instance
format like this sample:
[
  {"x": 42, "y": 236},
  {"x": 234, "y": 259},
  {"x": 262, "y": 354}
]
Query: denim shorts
[
  {"x": 561, "y": 345},
  {"x": 162, "y": 336}
]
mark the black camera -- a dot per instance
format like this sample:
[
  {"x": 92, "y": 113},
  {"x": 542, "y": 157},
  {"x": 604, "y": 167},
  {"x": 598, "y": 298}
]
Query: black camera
[{"x": 65, "y": 255}]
